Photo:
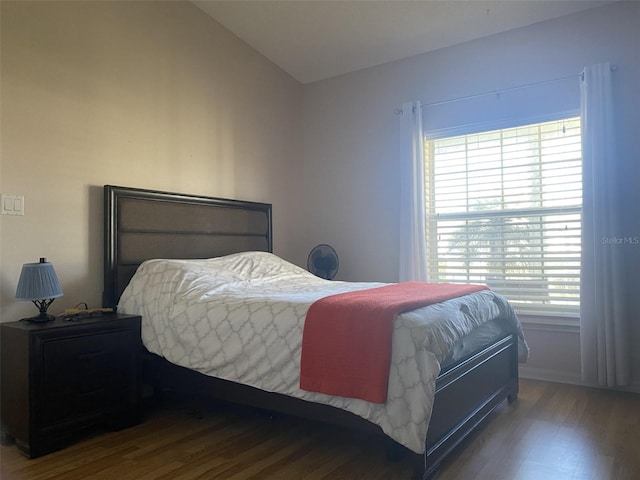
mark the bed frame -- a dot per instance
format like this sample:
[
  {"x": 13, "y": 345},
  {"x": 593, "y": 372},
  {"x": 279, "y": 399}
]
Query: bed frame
[{"x": 144, "y": 224}]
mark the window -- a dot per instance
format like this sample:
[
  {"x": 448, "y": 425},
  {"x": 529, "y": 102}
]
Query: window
[{"x": 504, "y": 208}]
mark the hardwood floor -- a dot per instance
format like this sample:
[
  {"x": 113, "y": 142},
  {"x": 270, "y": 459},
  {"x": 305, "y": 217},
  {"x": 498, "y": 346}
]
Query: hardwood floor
[{"x": 552, "y": 432}]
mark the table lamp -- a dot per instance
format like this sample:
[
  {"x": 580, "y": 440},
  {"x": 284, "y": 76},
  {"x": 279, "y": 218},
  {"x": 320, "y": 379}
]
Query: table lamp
[{"x": 39, "y": 283}]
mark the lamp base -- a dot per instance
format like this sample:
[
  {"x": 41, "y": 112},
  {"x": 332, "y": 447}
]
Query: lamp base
[{"x": 39, "y": 319}]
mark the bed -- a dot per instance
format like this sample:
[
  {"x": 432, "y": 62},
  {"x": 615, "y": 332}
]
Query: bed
[{"x": 154, "y": 232}]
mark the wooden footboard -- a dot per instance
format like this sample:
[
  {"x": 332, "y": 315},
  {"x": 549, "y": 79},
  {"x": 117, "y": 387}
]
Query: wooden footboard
[{"x": 466, "y": 393}]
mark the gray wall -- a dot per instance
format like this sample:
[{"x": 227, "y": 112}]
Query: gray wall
[{"x": 350, "y": 174}]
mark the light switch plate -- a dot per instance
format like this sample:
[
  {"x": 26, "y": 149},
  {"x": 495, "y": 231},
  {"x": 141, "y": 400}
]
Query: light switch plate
[{"x": 11, "y": 204}]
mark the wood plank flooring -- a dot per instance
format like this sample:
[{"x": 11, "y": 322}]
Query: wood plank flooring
[{"x": 552, "y": 432}]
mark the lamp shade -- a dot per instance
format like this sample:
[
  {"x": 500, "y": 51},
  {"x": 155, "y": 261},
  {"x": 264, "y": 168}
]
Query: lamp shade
[{"x": 38, "y": 281}]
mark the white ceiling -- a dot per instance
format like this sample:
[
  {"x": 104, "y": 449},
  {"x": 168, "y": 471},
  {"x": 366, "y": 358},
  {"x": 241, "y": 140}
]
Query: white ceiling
[{"x": 317, "y": 39}]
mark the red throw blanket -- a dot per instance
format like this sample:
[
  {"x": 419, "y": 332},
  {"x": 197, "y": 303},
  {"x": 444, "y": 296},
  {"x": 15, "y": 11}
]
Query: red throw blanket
[{"x": 346, "y": 342}]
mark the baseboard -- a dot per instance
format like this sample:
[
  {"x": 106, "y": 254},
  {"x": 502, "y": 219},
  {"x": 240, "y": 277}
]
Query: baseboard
[
  {"x": 565, "y": 377},
  {"x": 549, "y": 375}
]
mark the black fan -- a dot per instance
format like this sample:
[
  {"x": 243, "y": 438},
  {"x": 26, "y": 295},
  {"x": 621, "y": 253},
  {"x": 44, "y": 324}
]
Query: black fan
[{"x": 323, "y": 261}]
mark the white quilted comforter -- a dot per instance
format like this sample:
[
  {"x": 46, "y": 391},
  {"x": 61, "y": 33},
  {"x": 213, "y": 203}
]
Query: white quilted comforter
[{"x": 240, "y": 318}]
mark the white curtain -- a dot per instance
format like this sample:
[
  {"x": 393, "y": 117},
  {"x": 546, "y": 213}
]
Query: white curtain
[
  {"x": 413, "y": 242},
  {"x": 604, "y": 319}
]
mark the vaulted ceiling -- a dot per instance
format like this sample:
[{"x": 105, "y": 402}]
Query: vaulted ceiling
[{"x": 317, "y": 39}]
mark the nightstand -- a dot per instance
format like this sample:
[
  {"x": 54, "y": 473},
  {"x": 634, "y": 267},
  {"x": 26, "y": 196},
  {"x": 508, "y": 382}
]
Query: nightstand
[{"x": 63, "y": 378}]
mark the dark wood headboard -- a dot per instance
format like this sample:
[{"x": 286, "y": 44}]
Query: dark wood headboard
[{"x": 143, "y": 224}]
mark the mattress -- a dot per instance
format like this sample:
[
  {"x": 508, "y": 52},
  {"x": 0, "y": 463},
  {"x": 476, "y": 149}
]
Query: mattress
[{"x": 240, "y": 318}]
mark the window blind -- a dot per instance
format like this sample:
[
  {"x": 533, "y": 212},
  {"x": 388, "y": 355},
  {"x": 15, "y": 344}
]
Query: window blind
[{"x": 504, "y": 208}]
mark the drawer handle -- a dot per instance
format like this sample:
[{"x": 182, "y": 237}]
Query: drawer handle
[
  {"x": 100, "y": 392},
  {"x": 87, "y": 356}
]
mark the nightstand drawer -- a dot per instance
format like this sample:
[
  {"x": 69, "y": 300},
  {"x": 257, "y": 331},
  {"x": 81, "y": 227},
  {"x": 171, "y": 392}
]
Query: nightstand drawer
[
  {"x": 85, "y": 376},
  {"x": 85, "y": 356}
]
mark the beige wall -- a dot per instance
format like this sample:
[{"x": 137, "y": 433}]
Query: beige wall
[
  {"x": 143, "y": 94},
  {"x": 351, "y": 144}
]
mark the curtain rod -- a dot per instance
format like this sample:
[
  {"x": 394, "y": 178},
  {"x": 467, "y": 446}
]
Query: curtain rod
[{"x": 580, "y": 75}]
